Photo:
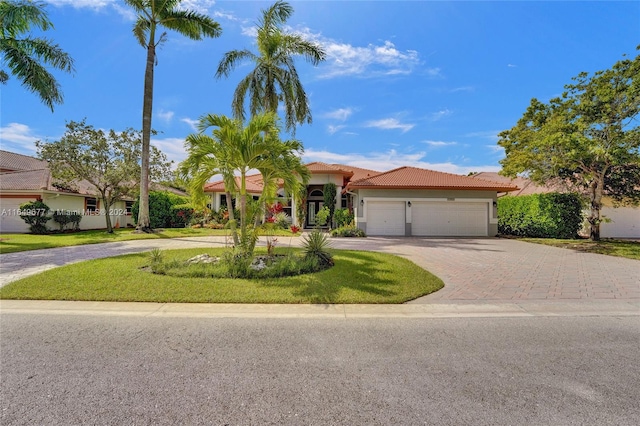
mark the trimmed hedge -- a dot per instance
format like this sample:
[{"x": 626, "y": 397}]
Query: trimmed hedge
[
  {"x": 161, "y": 213},
  {"x": 552, "y": 215}
]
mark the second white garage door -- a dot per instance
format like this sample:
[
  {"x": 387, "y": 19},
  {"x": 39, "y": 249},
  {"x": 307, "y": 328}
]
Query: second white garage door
[
  {"x": 385, "y": 218},
  {"x": 449, "y": 219}
]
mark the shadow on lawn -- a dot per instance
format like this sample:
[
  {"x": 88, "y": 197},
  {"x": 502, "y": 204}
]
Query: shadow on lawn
[{"x": 359, "y": 272}]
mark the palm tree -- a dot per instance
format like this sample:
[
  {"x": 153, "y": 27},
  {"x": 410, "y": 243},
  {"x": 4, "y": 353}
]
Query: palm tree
[
  {"x": 153, "y": 14},
  {"x": 236, "y": 149},
  {"x": 274, "y": 78},
  {"x": 25, "y": 56}
]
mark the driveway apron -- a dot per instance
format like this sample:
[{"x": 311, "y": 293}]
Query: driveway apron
[{"x": 473, "y": 270}]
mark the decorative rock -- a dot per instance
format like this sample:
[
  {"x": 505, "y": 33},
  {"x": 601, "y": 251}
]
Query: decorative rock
[{"x": 203, "y": 258}]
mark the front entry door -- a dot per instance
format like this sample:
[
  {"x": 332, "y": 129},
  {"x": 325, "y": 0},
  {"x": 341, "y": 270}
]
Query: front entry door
[{"x": 312, "y": 208}]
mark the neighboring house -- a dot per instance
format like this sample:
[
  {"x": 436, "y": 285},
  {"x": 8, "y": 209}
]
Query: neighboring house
[
  {"x": 402, "y": 202},
  {"x": 24, "y": 179},
  {"x": 624, "y": 220}
]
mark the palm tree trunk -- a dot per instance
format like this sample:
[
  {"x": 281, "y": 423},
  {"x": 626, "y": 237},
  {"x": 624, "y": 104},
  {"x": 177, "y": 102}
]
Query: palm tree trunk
[
  {"x": 234, "y": 229},
  {"x": 143, "y": 213}
]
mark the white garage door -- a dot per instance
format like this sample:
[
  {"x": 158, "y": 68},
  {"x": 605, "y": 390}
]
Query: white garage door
[
  {"x": 10, "y": 222},
  {"x": 385, "y": 218},
  {"x": 449, "y": 219}
]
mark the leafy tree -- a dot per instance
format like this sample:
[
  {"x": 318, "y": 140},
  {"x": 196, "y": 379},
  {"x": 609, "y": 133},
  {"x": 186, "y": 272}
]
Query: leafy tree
[
  {"x": 274, "y": 78},
  {"x": 152, "y": 16},
  {"x": 27, "y": 57},
  {"x": 587, "y": 139},
  {"x": 330, "y": 191},
  {"x": 235, "y": 149},
  {"x": 107, "y": 160}
]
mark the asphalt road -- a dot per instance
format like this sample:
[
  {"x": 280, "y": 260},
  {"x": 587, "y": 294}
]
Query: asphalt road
[{"x": 116, "y": 370}]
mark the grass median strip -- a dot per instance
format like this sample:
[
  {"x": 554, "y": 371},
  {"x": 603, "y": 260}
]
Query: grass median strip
[{"x": 357, "y": 277}]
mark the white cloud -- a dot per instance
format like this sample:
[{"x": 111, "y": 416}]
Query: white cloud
[
  {"x": 165, "y": 116},
  {"x": 434, "y": 72},
  {"x": 19, "y": 138},
  {"x": 512, "y": 66},
  {"x": 491, "y": 135},
  {"x": 440, "y": 114},
  {"x": 439, "y": 144},
  {"x": 496, "y": 149},
  {"x": 82, "y": 4},
  {"x": 173, "y": 148},
  {"x": 339, "y": 114},
  {"x": 200, "y": 6},
  {"x": 389, "y": 124},
  {"x": 463, "y": 89},
  {"x": 391, "y": 159},
  {"x": 192, "y": 123},
  {"x": 250, "y": 31},
  {"x": 333, "y": 129}
]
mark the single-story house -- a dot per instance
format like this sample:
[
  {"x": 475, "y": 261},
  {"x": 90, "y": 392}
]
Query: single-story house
[
  {"x": 624, "y": 220},
  {"x": 406, "y": 201},
  {"x": 24, "y": 179}
]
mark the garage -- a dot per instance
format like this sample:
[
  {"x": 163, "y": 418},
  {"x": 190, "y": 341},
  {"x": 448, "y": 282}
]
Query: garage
[
  {"x": 10, "y": 222},
  {"x": 449, "y": 219},
  {"x": 386, "y": 218}
]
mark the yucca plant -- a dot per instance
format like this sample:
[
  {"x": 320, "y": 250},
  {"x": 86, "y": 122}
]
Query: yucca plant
[{"x": 315, "y": 244}]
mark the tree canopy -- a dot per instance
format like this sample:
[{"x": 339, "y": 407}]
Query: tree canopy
[
  {"x": 587, "y": 139},
  {"x": 27, "y": 56},
  {"x": 107, "y": 160},
  {"x": 274, "y": 78}
]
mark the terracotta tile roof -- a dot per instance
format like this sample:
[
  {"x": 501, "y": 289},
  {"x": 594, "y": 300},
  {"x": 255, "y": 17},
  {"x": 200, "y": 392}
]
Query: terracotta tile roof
[
  {"x": 10, "y": 161},
  {"x": 253, "y": 184},
  {"x": 319, "y": 167},
  {"x": 415, "y": 178},
  {"x": 28, "y": 180},
  {"x": 526, "y": 186},
  {"x": 358, "y": 172}
]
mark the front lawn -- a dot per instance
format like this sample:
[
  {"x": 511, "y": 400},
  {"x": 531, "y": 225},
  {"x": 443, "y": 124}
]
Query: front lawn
[
  {"x": 357, "y": 277},
  {"x": 621, "y": 248},
  {"x": 12, "y": 243}
]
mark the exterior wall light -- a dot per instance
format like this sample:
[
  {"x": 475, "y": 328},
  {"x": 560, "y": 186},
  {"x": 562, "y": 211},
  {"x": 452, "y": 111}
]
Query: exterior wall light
[
  {"x": 495, "y": 204},
  {"x": 361, "y": 203},
  {"x": 408, "y": 203}
]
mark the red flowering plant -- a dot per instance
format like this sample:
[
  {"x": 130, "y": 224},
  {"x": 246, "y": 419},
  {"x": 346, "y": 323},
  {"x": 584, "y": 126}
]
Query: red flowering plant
[{"x": 295, "y": 229}]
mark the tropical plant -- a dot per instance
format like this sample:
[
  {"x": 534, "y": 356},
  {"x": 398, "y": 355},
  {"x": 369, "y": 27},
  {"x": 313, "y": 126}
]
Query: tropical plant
[
  {"x": 27, "y": 57},
  {"x": 234, "y": 149},
  {"x": 274, "y": 78},
  {"x": 322, "y": 216},
  {"x": 343, "y": 217},
  {"x": 329, "y": 191},
  {"x": 152, "y": 15},
  {"x": 315, "y": 244}
]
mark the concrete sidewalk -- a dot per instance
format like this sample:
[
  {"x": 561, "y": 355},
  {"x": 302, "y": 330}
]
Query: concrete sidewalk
[{"x": 339, "y": 311}]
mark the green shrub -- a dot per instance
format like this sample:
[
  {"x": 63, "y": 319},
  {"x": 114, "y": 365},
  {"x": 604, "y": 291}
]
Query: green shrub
[
  {"x": 348, "y": 231},
  {"x": 160, "y": 203},
  {"x": 34, "y": 213},
  {"x": 181, "y": 215},
  {"x": 68, "y": 217},
  {"x": 322, "y": 216},
  {"x": 552, "y": 215},
  {"x": 330, "y": 191},
  {"x": 343, "y": 217},
  {"x": 315, "y": 245}
]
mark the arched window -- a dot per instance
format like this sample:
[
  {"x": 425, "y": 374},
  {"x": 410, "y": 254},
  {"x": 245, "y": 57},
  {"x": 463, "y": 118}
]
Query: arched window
[{"x": 316, "y": 193}]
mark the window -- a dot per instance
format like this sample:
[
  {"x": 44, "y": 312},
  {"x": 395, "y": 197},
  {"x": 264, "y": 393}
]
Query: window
[
  {"x": 91, "y": 205},
  {"x": 128, "y": 206}
]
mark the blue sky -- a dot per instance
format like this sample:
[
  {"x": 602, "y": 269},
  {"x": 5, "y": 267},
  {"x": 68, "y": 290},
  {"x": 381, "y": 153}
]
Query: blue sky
[{"x": 427, "y": 84}]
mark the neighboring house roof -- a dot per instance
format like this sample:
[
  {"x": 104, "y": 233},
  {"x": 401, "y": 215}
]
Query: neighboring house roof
[
  {"x": 10, "y": 161},
  {"x": 253, "y": 184},
  {"x": 526, "y": 186},
  {"x": 358, "y": 172},
  {"x": 324, "y": 168},
  {"x": 416, "y": 178},
  {"x": 25, "y": 180}
]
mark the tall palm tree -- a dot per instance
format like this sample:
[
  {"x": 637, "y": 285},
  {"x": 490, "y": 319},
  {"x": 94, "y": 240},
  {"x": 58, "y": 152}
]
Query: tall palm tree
[
  {"x": 274, "y": 78},
  {"x": 235, "y": 149},
  {"x": 25, "y": 56},
  {"x": 152, "y": 15}
]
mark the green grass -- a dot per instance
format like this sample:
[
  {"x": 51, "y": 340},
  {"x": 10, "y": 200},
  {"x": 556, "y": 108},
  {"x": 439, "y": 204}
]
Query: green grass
[
  {"x": 628, "y": 249},
  {"x": 12, "y": 243},
  {"x": 357, "y": 277}
]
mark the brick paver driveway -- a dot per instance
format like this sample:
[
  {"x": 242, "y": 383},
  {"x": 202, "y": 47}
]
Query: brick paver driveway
[
  {"x": 495, "y": 269},
  {"x": 482, "y": 269}
]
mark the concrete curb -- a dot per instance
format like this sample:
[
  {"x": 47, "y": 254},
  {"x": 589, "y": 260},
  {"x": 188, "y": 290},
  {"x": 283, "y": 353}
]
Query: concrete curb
[{"x": 339, "y": 311}]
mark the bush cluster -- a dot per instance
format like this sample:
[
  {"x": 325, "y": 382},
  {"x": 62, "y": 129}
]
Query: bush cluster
[
  {"x": 67, "y": 218},
  {"x": 35, "y": 214},
  {"x": 348, "y": 231},
  {"x": 552, "y": 215},
  {"x": 166, "y": 210},
  {"x": 343, "y": 217}
]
